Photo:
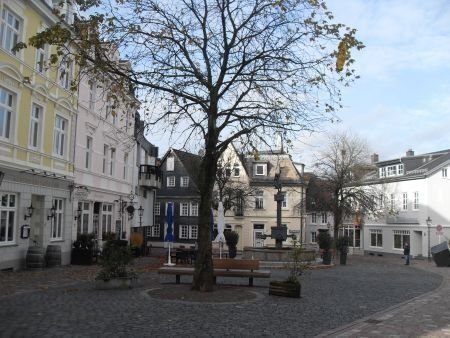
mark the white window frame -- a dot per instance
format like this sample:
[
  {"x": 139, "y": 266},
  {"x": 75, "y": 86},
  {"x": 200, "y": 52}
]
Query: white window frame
[
  {"x": 107, "y": 218},
  {"x": 193, "y": 231},
  {"x": 88, "y": 157},
  {"x": 405, "y": 236},
  {"x": 65, "y": 73},
  {"x": 264, "y": 169},
  {"x": 383, "y": 172},
  {"x": 184, "y": 181},
  {"x": 416, "y": 204},
  {"x": 184, "y": 209},
  {"x": 92, "y": 94},
  {"x": 183, "y": 231},
  {"x": 259, "y": 200},
  {"x": 236, "y": 170},
  {"x": 10, "y": 32},
  {"x": 125, "y": 166},
  {"x": 401, "y": 169},
  {"x": 324, "y": 218},
  {"x": 7, "y": 112},
  {"x": 41, "y": 57},
  {"x": 157, "y": 209},
  {"x": 194, "y": 209},
  {"x": 170, "y": 163},
  {"x": 392, "y": 170},
  {"x": 60, "y": 136},
  {"x": 83, "y": 220},
  {"x": 405, "y": 201},
  {"x": 155, "y": 230},
  {"x": 377, "y": 235},
  {"x": 171, "y": 181},
  {"x": 284, "y": 202},
  {"x": 36, "y": 116},
  {"x": 313, "y": 237},
  {"x": 392, "y": 201},
  {"x": 444, "y": 172},
  {"x": 112, "y": 161},
  {"x": 8, "y": 218},
  {"x": 105, "y": 158},
  {"x": 313, "y": 218},
  {"x": 56, "y": 233}
]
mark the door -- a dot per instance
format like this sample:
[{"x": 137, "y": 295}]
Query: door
[
  {"x": 416, "y": 244},
  {"x": 258, "y": 231}
]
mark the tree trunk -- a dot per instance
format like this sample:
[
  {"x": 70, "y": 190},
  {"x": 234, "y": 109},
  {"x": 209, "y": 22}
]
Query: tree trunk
[{"x": 203, "y": 276}]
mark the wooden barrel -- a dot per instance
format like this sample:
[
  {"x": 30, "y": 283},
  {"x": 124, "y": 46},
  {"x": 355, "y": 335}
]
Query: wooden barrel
[
  {"x": 53, "y": 255},
  {"x": 35, "y": 258}
]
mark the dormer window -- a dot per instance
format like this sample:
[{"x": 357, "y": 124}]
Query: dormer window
[
  {"x": 260, "y": 169},
  {"x": 236, "y": 170},
  {"x": 170, "y": 164}
]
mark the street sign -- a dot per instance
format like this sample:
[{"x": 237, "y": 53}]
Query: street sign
[{"x": 439, "y": 228}]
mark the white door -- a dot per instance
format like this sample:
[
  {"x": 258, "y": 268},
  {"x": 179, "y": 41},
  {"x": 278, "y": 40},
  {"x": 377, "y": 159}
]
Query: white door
[{"x": 258, "y": 242}]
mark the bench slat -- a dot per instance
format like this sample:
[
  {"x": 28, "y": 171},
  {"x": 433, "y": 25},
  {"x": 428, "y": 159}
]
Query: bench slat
[{"x": 240, "y": 264}]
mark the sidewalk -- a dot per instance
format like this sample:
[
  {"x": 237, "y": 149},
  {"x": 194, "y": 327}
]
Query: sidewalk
[{"x": 427, "y": 315}]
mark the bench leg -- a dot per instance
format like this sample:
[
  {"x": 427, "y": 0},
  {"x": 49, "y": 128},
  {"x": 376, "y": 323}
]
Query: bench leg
[
  {"x": 250, "y": 281},
  {"x": 215, "y": 280},
  {"x": 177, "y": 279}
]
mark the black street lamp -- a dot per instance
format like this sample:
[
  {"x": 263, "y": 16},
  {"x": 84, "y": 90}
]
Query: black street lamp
[
  {"x": 141, "y": 213},
  {"x": 428, "y": 220}
]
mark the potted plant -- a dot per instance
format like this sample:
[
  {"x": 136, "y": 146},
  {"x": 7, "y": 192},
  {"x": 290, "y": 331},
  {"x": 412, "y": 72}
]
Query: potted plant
[
  {"x": 290, "y": 287},
  {"x": 115, "y": 261},
  {"x": 84, "y": 249},
  {"x": 232, "y": 239},
  {"x": 342, "y": 244},
  {"x": 325, "y": 241}
]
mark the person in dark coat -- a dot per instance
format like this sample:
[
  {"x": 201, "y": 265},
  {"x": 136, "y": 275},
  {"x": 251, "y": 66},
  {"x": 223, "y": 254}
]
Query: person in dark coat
[{"x": 406, "y": 253}]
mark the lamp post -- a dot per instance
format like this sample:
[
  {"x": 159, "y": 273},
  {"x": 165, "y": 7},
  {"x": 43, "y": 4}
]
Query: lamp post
[{"x": 428, "y": 220}]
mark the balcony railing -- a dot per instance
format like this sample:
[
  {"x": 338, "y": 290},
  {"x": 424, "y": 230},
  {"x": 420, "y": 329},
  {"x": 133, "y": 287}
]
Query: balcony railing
[{"x": 149, "y": 176}]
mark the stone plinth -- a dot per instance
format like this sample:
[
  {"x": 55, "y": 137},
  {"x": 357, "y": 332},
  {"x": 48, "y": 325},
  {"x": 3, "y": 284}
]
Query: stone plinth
[{"x": 274, "y": 254}]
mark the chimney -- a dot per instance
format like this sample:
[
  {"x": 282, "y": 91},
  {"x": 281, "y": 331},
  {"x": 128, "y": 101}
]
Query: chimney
[
  {"x": 410, "y": 153},
  {"x": 374, "y": 158}
]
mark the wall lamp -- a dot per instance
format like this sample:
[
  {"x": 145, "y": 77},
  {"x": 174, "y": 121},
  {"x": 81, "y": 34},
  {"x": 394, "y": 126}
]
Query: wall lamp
[
  {"x": 51, "y": 213},
  {"x": 77, "y": 213},
  {"x": 30, "y": 210}
]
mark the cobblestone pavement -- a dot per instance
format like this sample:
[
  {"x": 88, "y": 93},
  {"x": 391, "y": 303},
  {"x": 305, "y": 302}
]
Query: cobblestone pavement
[{"x": 370, "y": 296}]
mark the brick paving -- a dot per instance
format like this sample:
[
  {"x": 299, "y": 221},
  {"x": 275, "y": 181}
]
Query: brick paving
[{"x": 369, "y": 297}]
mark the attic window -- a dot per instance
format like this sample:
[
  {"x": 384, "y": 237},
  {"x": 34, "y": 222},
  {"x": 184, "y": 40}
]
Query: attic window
[
  {"x": 260, "y": 169},
  {"x": 236, "y": 170},
  {"x": 170, "y": 164}
]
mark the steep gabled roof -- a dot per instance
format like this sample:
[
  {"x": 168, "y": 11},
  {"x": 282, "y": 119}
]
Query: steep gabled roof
[{"x": 191, "y": 163}]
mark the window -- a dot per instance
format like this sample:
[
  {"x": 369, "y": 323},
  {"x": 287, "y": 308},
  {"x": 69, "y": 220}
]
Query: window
[
  {"x": 40, "y": 60},
  {"x": 236, "y": 170},
  {"x": 392, "y": 170},
  {"x": 184, "y": 209},
  {"x": 112, "y": 162},
  {"x": 156, "y": 231},
  {"x": 107, "y": 213},
  {"x": 59, "y": 136},
  {"x": 188, "y": 232},
  {"x": 170, "y": 164},
  {"x": 400, "y": 169},
  {"x": 400, "y": 238},
  {"x": 323, "y": 216},
  {"x": 184, "y": 181},
  {"x": 313, "y": 237},
  {"x": 260, "y": 169},
  {"x": 376, "y": 238},
  {"x": 88, "y": 152},
  {"x": 259, "y": 200},
  {"x": 194, "y": 209},
  {"x": 83, "y": 220},
  {"x": 6, "y": 112},
  {"x": 313, "y": 218},
  {"x": 228, "y": 171},
  {"x": 35, "y": 126},
  {"x": 125, "y": 166},
  {"x": 65, "y": 73},
  {"x": 8, "y": 209},
  {"x": 381, "y": 201},
  {"x": 9, "y": 30},
  {"x": 157, "y": 209},
  {"x": 92, "y": 93},
  {"x": 382, "y": 172},
  {"x": 405, "y": 201},
  {"x": 444, "y": 172},
  {"x": 284, "y": 203},
  {"x": 392, "y": 202},
  {"x": 416, "y": 200},
  {"x": 57, "y": 221},
  {"x": 105, "y": 158},
  {"x": 170, "y": 181}
]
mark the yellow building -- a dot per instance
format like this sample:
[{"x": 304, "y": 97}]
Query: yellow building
[{"x": 37, "y": 132}]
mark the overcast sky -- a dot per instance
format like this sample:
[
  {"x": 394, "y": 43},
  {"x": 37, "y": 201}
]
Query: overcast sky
[{"x": 402, "y": 100}]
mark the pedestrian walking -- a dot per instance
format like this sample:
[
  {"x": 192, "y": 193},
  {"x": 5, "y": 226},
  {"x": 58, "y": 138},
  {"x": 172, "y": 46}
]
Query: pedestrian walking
[{"x": 406, "y": 252}]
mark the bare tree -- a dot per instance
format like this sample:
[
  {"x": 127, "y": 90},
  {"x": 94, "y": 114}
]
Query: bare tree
[
  {"x": 341, "y": 188},
  {"x": 217, "y": 71}
]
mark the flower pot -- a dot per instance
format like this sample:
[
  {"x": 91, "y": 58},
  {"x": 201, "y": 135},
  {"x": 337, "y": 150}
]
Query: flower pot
[
  {"x": 285, "y": 289},
  {"x": 326, "y": 257},
  {"x": 114, "y": 283}
]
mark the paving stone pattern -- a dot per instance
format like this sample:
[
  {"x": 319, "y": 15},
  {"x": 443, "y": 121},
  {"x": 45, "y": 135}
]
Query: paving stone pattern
[{"x": 341, "y": 301}]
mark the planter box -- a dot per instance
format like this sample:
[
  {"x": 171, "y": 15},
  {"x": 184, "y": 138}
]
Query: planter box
[
  {"x": 114, "y": 283},
  {"x": 284, "y": 289}
]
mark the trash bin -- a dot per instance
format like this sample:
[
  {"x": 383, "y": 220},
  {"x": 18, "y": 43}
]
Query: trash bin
[{"x": 441, "y": 254}]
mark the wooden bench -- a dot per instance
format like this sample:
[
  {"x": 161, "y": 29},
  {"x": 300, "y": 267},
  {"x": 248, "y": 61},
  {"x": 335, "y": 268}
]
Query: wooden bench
[{"x": 222, "y": 268}]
